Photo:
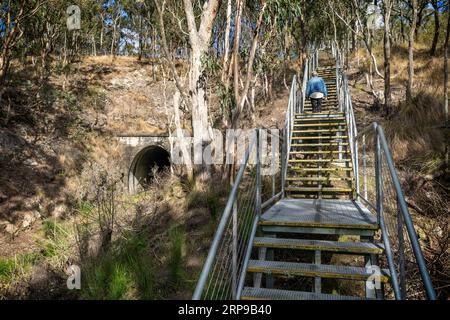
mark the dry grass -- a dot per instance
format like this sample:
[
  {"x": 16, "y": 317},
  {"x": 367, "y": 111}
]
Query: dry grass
[{"x": 418, "y": 142}]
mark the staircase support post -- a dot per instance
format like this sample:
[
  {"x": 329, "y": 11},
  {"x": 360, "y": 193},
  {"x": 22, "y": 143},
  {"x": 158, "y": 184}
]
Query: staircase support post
[
  {"x": 234, "y": 251},
  {"x": 317, "y": 280},
  {"x": 380, "y": 215},
  {"x": 258, "y": 172},
  {"x": 401, "y": 251}
]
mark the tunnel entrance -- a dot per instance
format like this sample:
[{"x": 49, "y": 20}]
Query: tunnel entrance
[{"x": 142, "y": 168}]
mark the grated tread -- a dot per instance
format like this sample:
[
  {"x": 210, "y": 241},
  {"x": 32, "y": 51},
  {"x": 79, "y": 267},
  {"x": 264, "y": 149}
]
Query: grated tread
[
  {"x": 313, "y": 270},
  {"x": 274, "y": 294}
]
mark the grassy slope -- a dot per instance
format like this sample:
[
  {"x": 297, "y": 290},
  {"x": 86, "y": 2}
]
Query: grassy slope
[
  {"x": 60, "y": 167},
  {"x": 418, "y": 143}
]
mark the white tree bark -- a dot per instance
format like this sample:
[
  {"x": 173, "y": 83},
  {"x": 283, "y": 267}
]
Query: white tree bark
[
  {"x": 226, "y": 54},
  {"x": 199, "y": 39}
]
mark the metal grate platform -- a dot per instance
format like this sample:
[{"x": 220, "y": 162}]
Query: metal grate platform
[{"x": 320, "y": 213}]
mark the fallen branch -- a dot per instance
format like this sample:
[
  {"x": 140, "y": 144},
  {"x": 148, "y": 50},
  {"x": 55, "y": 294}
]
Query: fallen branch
[{"x": 414, "y": 206}]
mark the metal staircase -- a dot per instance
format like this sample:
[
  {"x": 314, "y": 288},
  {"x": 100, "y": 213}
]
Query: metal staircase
[
  {"x": 320, "y": 164},
  {"x": 315, "y": 239}
]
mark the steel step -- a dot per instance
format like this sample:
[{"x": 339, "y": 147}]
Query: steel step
[
  {"x": 315, "y": 196},
  {"x": 320, "y": 131},
  {"x": 322, "y": 245},
  {"x": 275, "y": 294},
  {"x": 318, "y": 179},
  {"x": 320, "y": 137},
  {"x": 312, "y": 117},
  {"x": 319, "y": 152},
  {"x": 321, "y": 113},
  {"x": 327, "y": 124},
  {"x": 324, "y": 189},
  {"x": 299, "y": 169},
  {"x": 324, "y": 103},
  {"x": 288, "y": 269},
  {"x": 319, "y": 160},
  {"x": 333, "y": 144}
]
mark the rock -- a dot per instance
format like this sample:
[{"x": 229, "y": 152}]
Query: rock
[
  {"x": 11, "y": 229},
  {"x": 3, "y": 197},
  {"x": 30, "y": 162},
  {"x": 29, "y": 218},
  {"x": 102, "y": 120},
  {"x": 59, "y": 211}
]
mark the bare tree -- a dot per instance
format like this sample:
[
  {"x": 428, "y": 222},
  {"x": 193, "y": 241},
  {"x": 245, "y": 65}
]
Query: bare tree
[
  {"x": 412, "y": 32},
  {"x": 242, "y": 98},
  {"x": 446, "y": 49},
  {"x": 387, "y": 55},
  {"x": 226, "y": 54},
  {"x": 13, "y": 31},
  {"x": 199, "y": 39},
  {"x": 437, "y": 26}
]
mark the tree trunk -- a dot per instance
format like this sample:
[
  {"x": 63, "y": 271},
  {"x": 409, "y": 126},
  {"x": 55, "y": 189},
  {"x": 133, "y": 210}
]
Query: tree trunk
[
  {"x": 102, "y": 51},
  {"x": 402, "y": 25},
  {"x": 446, "y": 48},
  {"x": 94, "y": 46},
  {"x": 251, "y": 59},
  {"x": 141, "y": 40},
  {"x": 410, "y": 84},
  {"x": 437, "y": 26},
  {"x": 199, "y": 39},
  {"x": 226, "y": 54},
  {"x": 185, "y": 153},
  {"x": 237, "y": 42},
  {"x": 387, "y": 56}
]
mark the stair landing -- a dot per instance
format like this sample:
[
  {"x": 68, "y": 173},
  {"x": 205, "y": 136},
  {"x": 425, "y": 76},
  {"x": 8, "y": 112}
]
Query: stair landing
[{"x": 320, "y": 213}]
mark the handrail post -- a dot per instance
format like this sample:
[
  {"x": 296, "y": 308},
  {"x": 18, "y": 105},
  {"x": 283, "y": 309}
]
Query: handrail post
[
  {"x": 378, "y": 178},
  {"x": 272, "y": 138},
  {"x": 380, "y": 216},
  {"x": 227, "y": 212},
  {"x": 401, "y": 251},
  {"x": 365, "y": 166},
  {"x": 356, "y": 164},
  {"x": 258, "y": 172},
  {"x": 284, "y": 152},
  {"x": 248, "y": 251},
  {"x": 234, "y": 266},
  {"x": 408, "y": 221}
]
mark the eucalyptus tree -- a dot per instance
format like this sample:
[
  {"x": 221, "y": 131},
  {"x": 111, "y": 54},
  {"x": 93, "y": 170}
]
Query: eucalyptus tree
[
  {"x": 437, "y": 7},
  {"x": 387, "y": 8},
  {"x": 13, "y": 23},
  {"x": 446, "y": 95},
  {"x": 412, "y": 33}
]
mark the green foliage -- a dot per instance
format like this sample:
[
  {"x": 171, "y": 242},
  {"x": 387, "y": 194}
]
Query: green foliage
[
  {"x": 18, "y": 264},
  {"x": 177, "y": 239},
  {"x": 227, "y": 99},
  {"x": 85, "y": 208},
  {"x": 283, "y": 12},
  {"x": 7, "y": 267},
  {"x": 53, "y": 229},
  {"x": 213, "y": 201},
  {"x": 125, "y": 272},
  {"x": 57, "y": 241},
  {"x": 211, "y": 66}
]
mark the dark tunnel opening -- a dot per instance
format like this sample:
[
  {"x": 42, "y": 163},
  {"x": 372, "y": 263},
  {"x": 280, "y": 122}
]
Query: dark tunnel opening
[{"x": 142, "y": 168}]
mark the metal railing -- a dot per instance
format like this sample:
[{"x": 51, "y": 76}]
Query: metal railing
[
  {"x": 383, "y": 193},
  {"x": 221, "y": 273},
  {"x": 346, "y": 106},
  {"x": 384, "y": 196}
]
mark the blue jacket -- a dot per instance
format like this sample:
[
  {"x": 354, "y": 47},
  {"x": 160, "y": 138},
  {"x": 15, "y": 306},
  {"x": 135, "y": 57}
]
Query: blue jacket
[{"x": 316, "y": 84}]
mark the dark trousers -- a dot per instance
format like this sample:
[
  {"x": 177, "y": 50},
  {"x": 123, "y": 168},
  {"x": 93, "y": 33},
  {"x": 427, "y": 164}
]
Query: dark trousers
[{"x": 316, "y": 105}]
